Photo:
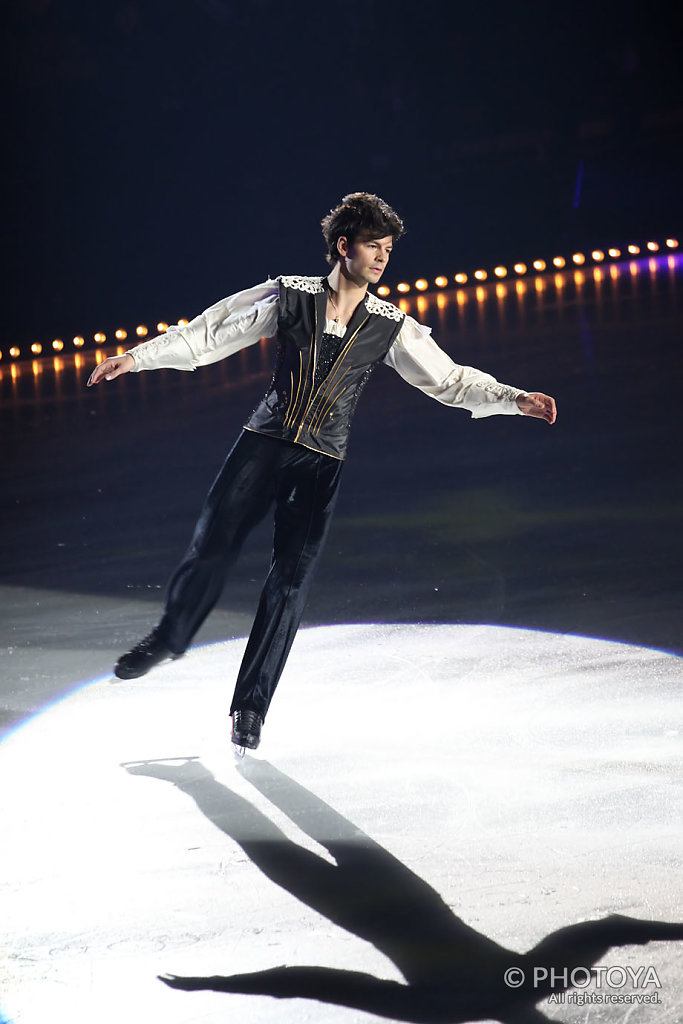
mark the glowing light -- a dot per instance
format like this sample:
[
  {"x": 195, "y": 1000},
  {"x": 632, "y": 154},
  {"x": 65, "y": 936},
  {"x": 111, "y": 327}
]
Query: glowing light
[
  {"x": 36, "y": 367},
  {"x": 597, "y": 274},
  {"x": 672, "y": 243},
  {"x": 78, "y": 361},
  {"x": 460, "y": 296},
  {"x": 652, "y": 265},
  {"x": 120, "y": 350},
  {"x": 14, "y": 371},
  {"x": 670, "y": 262},
  {"x": 403, "y": 305},
  {"x": 441, "y": 301},
  {"x": 99, "y": 357},
  {"x": 579, "y": 277},
  {"x": 480, "y": 293},
  {"x": 559, "y": 281},
  {"x": 421, "y": 304},
  {"x": 422, "y": 285},
  {"x": 501, "y": 291},
  {"x": 520, "y": 287},
  {"x": 540, "y": 284},
  {"x": 58, "y": 364}
]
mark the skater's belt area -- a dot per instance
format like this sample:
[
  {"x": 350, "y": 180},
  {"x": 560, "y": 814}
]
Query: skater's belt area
[{"x": 288, "y": 440}]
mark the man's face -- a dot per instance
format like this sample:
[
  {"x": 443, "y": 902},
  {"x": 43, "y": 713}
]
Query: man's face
[{"x": 367, "y": 258}]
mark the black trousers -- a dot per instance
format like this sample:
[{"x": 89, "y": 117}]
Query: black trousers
[{"x": 258, "y": 473}]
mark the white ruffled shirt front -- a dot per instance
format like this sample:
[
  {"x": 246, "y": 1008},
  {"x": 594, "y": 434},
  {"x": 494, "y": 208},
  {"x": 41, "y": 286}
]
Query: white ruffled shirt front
[{"x": 244, "y": 318}]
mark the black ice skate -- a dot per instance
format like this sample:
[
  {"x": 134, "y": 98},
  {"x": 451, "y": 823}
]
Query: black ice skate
[
  {"x": 246, "y": 730},
  {"x": 144, "y": 656}
]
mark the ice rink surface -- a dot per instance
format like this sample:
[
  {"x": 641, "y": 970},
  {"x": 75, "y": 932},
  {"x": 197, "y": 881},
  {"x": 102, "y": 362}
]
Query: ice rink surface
[{"x": 529, "y": 779}]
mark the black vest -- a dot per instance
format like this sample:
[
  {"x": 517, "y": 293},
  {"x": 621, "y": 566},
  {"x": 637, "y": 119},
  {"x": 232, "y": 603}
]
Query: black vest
[{"x": 318, "y": 378}]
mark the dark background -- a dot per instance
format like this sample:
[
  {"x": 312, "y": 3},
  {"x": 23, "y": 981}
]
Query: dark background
[{"x": 164, "y": 154}]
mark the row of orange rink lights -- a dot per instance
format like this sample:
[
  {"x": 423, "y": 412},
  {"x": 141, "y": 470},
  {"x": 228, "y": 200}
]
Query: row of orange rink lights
[
  {"x": 540, "y": 266},
  {"x": 499, "y": 273},
  {"x": 78, "y": 342}
]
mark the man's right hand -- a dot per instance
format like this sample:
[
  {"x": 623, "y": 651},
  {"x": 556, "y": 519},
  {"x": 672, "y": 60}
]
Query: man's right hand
[{"x": 112, "y": 367}]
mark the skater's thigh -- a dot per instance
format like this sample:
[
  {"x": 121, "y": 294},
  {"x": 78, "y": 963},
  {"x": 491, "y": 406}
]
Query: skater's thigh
[
  {"x": 244, "y": 487},
  {"x": 305, "y": 500}
]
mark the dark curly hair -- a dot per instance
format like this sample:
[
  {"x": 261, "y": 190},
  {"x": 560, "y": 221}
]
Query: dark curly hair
[{"x": 360, "y": 214}]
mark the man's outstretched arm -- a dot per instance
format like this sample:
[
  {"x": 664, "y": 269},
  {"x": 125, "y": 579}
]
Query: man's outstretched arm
[
  {"x": 221, "y": 330},
  {"x": 419, "y": 360}
]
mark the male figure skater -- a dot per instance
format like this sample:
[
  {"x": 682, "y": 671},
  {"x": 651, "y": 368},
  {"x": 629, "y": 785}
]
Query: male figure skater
[{"x": 331, "y": 333}]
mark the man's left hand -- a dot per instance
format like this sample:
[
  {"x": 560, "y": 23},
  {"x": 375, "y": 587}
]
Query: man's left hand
[{"x": 538, "y": 405}]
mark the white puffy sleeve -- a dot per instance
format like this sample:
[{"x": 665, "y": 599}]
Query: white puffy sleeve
[
  {"x": 419, "y": 360},
  {"x": 222, "y": 329}
]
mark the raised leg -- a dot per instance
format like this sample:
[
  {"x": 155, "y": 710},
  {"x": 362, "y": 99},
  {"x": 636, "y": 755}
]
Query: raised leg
[{"x": 238, "y": 500}]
